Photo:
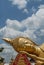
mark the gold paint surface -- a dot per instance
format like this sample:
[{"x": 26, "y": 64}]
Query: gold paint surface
[{"x": 31, "y": 48}]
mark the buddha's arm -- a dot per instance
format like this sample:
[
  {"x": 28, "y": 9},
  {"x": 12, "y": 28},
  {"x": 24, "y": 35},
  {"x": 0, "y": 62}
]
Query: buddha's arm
[{"x": 33, "y": 56}]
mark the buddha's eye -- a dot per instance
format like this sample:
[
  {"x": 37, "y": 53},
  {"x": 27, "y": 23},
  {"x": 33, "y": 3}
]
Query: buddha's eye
[{"x": 26, "y": 42}]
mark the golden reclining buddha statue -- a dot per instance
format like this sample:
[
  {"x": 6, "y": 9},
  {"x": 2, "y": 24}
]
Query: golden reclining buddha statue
[{"x": 27, "y": 46}]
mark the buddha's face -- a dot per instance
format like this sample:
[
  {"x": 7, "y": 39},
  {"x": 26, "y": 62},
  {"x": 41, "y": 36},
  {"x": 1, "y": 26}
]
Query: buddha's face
[
  {"x": 21, "y": 44},
  {"x": 26, "y": 44},
  {"x": 25, "y": 41}
]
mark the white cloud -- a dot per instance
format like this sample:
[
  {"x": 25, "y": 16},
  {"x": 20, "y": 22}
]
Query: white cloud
[
  {"x": 7, "y": 48},
  {"x": 26, "y": 11},
  {"x": 34, "y": 9},
  {"x": 40, "y": 13},
  {"x": 20, "y": 3},
  {"x": 41, "y": 6},
  {"x": 27, "y": 27},
  {"x": 8, "y": 52}
]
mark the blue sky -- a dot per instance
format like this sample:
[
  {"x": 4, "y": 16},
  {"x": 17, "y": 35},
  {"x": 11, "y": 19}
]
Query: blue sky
[
  {"x": 22, "y": 18},
  {"x": 17, "y": 10},
  {"x": 7, "y": 10}
]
